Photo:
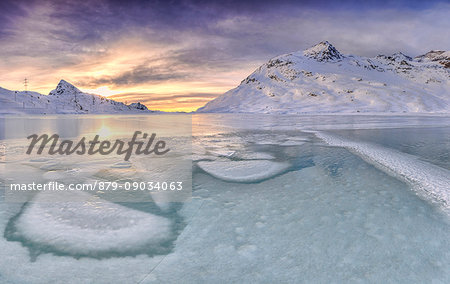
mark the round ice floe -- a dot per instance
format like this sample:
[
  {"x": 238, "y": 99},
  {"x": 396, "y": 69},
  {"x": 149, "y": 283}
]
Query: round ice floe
[
  {"x": 255, "y": 156},
  {"x": 243, "y": 171},
  {"x": 90, "y": 228},
  {"x": 292, "y": 143},
  {"x": 221, "y": 152}
]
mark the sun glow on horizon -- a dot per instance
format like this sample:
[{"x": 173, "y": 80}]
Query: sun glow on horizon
[
  {"x": 130, "y": 68},
  {"x": 135, "y": 53},
  {"x": 104, "y": 132}
]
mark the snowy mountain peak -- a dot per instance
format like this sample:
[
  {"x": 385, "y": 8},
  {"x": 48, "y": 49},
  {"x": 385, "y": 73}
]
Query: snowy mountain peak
[
  {"x": 399, "y": 56},
  {"x": 321, "y": 80},
  {"x": 430, "y": 55},
  {"x": 440, "y": 56},
  {"x": 323, "y": 51},
  {"x": 65, "y": 98},
  {"x": 65, "y": 88},
  {"x": 138, "y": 105}
]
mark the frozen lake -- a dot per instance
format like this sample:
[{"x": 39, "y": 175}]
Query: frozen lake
[{"x": 275, "y": 199}]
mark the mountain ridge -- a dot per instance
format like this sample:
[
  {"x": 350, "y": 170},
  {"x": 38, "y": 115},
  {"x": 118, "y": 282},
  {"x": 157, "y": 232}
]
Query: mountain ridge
[
  {"x": 64, "y": 99},
  {"x": 322, "y": 80}
]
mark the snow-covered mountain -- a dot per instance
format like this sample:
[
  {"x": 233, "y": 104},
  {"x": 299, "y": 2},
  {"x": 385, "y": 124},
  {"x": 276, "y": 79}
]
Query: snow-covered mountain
[
  {"x": 322, "y": 80},
  {"x": 138, "y": 105},
  {"x": 66, "y": 98}
]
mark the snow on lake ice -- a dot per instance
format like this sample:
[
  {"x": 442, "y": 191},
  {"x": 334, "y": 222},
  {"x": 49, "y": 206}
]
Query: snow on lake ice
[
  {"x": 92, "y": 228},
  {"x": 272, "y": 203},
  {"x": 351, "y": 223},
  {"x": 243, "y": 171},
  {"x": 430, "y": 181}
]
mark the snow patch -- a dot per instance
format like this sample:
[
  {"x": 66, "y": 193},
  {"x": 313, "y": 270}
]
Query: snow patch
[
  {"x": 93, "y": 227},
  {"x": 429, "y": 181},
  {"x": 243, "y": 171}
]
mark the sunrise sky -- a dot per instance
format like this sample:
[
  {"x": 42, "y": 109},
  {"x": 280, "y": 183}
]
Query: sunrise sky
[{"x": 178, "y": 55}]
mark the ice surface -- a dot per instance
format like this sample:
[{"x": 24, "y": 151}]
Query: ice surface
[
  {"x": 243, "y": 171},
  {"x": 430, "y": 181},
  {"x": 317, "y": 225},
  {"x": 292, "y": 143},
  {"x": 25, "y": 261},
  {"x": 93, "y": 228},
  {"x": 254, "y": 155},
  {"x": 122, "y": 165},
  {"x": 330, "y": 217}
]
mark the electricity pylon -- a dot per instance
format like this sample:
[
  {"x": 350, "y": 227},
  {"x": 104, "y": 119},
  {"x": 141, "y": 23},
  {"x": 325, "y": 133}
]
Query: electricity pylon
[{"x": 25, "y": 83}]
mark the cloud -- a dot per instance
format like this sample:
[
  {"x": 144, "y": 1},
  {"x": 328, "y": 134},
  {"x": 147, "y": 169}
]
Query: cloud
[
  {"x": 174, "y": 102},
  {"x": 155, "y": 97},
  {"x": 201, "y": 47},
  {"x": 365, "y": 33},
  {"x": 136, "y": 76},
  {"x": 217, "y": 34}
]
